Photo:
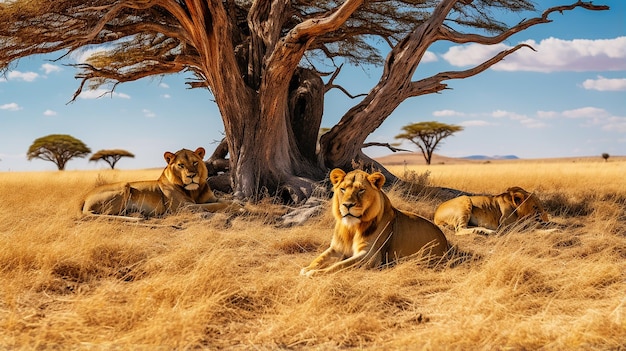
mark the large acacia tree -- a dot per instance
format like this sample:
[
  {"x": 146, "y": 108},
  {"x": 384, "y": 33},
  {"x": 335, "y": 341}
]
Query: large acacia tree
[{"x": 263, "y": 62}]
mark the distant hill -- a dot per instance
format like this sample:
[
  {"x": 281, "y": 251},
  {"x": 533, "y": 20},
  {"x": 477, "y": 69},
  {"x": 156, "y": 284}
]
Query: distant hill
[
  {"x": 496, "y": 157},
  {"x": 416, "y": 158}
]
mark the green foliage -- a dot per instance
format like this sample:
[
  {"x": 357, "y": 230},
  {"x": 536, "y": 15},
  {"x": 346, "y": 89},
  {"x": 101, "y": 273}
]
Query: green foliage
[
  {"x": 427, "y": 135},
  {"x": 110, "y": 156},
  {"x": 57, "y": 148}
]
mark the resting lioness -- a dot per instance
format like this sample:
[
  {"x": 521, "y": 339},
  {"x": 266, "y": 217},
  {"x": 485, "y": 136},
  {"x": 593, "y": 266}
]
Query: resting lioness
[
  {"x": 369, "y": 231},
  {"x": 182, "y": 185},
  {"x": 485, "y": 214}
]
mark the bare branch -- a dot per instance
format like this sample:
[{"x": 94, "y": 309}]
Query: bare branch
[
  {"x": 434, "y": 84},
  {"x": 461, "y": 38},
  {"x": 92, "y": 72},
  {"x": 387, "y": 145}
]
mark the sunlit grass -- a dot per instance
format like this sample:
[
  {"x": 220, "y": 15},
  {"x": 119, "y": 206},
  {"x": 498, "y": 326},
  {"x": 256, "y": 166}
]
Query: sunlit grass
[{"x": 71, "y": 283}]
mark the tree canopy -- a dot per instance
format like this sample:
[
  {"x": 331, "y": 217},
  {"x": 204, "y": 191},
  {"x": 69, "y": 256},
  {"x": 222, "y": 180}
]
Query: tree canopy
[
  {"x": 57, "y": 148},
  {"x": 110, "y": 156},
  {"x": 428, "y": 135},
  {"x": 268, "y": 64}
]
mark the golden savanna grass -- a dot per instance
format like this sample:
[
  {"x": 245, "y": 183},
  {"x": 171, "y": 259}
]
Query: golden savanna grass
[{"x": 188, "y": 282}]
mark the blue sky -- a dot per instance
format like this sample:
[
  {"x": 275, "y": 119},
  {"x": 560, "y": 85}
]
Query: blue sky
[{"x": 567, "y": 99}]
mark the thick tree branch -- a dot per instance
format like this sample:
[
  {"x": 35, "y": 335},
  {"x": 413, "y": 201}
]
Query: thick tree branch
[{"x": 311, "y": 28}]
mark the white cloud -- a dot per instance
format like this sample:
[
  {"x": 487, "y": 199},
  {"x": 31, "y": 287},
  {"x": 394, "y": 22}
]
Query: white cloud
[
  {"x": 586, "y": 112},
  {"x": 166, "y": 96},
  {"x": 615, "y": 124},
  {"x": 532, "y": 123},
  {"x": 551, "y": 55},
  {"x": 49, "y": 113},
  {"x": 524, "y": 120},
  {"x": 98, "y": 93},
  {"x": 472, "y": 54},
  {"x": 475, "y": 123},
  {"x": 605, "y": 84},
  {"x": 507, "y": 114},
  {"x": 24, "y": 76},
  {"x": 12, "y": 106},
  {"x": 164, "y": 85},
  {"x": 148, "y": 113},
  {"x": 50, "y": 68},
  {"x": 590, "y": 116},
  {"x": 429, "y": 57},
  {"x": 447, "y": 113},
  {"x": 547, "y": 114}
]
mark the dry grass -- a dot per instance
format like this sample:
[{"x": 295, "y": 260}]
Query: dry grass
[{"x": 68, "y": 283}]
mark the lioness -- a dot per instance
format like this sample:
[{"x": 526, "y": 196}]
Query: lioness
[
  {"x": 182, "y": 185},
  {"x": 369, "y": 231},
  {"x": 485, "y": 214}
]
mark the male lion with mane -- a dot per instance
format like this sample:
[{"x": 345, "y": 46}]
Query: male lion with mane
[
  {"x": 486, "y": 213},
  {"x": 182, "y": 185},
  {"x": 369, "y": 231}
]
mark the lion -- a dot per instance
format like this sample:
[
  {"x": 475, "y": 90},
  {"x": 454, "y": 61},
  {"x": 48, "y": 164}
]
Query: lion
[
  {"x": 369, "y": 231},
  {"x": 182, "y": 185},
  {"x": 485, "y": 214}
]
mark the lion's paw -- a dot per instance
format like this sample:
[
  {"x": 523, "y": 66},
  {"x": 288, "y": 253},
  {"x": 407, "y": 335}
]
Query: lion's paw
[{"x": 307, "y": 272}]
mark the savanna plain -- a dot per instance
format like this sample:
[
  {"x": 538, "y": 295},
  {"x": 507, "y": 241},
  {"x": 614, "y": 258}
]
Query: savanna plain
[{"x": 189, "y": 282}]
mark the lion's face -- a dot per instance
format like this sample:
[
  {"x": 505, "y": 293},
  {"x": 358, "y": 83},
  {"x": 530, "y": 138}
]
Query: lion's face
[
  {"x": 528, "y": 205},
  {"x": 186, "y": 168},
  {"x": 357, "y": 196}
]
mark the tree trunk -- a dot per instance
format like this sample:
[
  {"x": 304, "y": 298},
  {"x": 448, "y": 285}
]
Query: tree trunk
[{"x": 277, "y": 156}]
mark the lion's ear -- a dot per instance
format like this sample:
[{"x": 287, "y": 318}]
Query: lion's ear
[
  {"x": 517, "y": 198},
  {"x": 200, "y": 152},
  {"x": 168, "y": 156},
  {"x": 377, "y": 179},
  {"x": 518, "y": 195},
  {"x": 336, "y": 175}
]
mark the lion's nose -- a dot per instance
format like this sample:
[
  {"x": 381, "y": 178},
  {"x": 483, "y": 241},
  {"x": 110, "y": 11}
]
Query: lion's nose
[{"x": 348, "y": 205}]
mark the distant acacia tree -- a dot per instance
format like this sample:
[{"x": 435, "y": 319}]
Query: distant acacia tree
[
  {"x": 605, "y": 156},
  {"x": 110, "y": 156},
  {"x": 57, "y": 148},
  {"x": 427, "y": 135}
]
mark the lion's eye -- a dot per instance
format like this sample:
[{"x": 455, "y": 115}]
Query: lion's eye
[
  {"x": 343, "y": 190},
  {"x": 361, "y": 192},
  {"x": 181, "y": 165},
  {"x": 195, "y": 163}
]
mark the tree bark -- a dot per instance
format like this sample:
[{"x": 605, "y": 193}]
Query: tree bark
[{"x": 273, "y": 133}]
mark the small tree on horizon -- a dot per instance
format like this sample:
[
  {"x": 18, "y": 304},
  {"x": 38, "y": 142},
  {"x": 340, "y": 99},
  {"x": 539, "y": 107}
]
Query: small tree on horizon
[
  {"x": 605, "y": 156},
  {"x": 110, "y": 156},
  {"x": 427, "y": 135},
  {"x": 57, "y": 148}
]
